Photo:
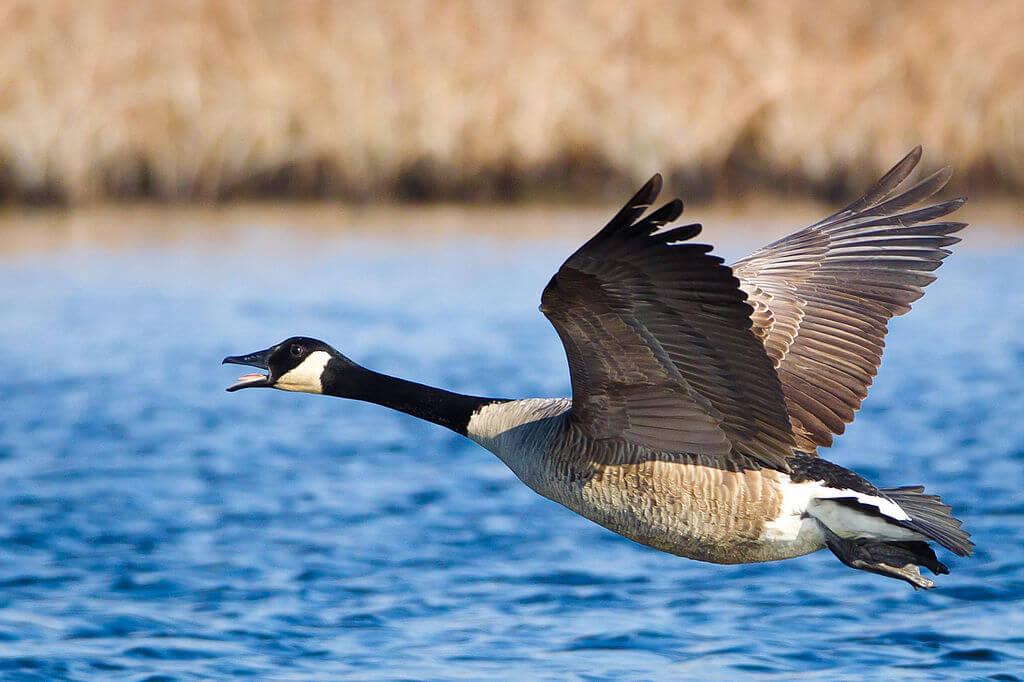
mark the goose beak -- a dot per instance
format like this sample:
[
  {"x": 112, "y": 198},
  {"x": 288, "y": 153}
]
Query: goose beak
[{"x": 258, "y": 360}]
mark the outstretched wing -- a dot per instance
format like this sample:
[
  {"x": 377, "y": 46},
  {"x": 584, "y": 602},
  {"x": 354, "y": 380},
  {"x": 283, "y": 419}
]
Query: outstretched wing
[
  {"x": 658, "y": 337},
  {"x": 822, "y": 297}
]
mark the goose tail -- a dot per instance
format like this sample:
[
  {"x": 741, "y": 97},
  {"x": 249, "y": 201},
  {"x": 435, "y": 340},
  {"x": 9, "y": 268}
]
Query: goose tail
[
  {"x": 930, "y": 517},
  {"x": 903, "y": 558}
]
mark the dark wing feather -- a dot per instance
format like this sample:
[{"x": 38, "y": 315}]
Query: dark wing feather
[
  {"x": 657, "y": 333},
  {"x": 823, "y": 296}
]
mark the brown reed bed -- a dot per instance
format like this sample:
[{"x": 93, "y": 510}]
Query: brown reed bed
[{"x": 423, "y": 99}]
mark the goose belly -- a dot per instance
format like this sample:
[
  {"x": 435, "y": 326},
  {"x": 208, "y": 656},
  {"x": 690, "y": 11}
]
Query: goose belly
[
  {"x": 690, "y": 509},
  {"x": 681, "y": 504}
]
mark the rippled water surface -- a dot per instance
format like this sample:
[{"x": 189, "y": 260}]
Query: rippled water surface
[{"x": 153, "y": 526}]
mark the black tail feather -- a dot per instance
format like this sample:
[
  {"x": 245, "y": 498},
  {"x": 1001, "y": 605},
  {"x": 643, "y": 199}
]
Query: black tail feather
[
  {"x": 903, "y": 559},
  {"x": 930, "y": 517}
]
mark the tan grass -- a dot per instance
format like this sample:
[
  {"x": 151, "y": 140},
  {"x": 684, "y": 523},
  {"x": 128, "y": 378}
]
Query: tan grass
[{"x": 210, "y": 99}]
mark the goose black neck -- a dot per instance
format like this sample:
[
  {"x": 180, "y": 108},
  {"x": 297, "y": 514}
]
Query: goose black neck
[{"x": 451, "y": 410}]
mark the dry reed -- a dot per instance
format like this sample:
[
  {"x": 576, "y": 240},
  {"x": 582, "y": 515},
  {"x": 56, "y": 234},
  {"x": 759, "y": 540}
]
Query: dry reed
[{"x": 461, "y": 98}]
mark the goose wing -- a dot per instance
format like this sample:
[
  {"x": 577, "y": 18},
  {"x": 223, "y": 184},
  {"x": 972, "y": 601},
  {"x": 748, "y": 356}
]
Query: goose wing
[
  {"x": 659, "y": 342},
  {"x": 822, "y": 297}
]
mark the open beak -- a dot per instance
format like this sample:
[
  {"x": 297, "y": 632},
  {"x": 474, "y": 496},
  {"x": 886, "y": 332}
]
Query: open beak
[{"x": 258, "y": 360}]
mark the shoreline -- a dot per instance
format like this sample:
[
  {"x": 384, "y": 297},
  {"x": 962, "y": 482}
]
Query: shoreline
[{"x": 741, "y": 223}]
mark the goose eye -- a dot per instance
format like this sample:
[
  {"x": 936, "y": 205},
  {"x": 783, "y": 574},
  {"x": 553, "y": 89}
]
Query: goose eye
[{"x": 297, "y": 351}]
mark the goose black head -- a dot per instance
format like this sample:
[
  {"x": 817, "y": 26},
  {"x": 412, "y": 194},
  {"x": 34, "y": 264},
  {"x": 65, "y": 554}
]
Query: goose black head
[{"x": 295, "y": 364}]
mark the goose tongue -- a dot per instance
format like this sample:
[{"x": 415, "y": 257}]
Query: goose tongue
[{"x": 248, "y": 381}]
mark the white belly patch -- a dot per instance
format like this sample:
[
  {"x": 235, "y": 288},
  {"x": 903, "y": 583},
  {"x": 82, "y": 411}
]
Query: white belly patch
[{"x": 808, "y": 503}]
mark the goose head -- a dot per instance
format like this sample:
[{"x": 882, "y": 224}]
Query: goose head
[{"x": 296, "y": 364}]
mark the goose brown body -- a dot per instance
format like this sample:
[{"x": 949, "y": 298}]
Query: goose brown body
[{"x": 682, "y": 504}]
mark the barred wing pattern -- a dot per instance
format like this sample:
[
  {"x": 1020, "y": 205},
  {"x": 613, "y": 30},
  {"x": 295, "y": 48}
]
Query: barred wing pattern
[
  {"x": 659, "y": 342},
  {"x": 822, "y": 297}
]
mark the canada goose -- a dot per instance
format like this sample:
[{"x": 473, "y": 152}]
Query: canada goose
[{"x": 701, "y": 392}]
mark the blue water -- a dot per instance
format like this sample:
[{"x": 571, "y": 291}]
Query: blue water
[{"x": 154, "y": 527}]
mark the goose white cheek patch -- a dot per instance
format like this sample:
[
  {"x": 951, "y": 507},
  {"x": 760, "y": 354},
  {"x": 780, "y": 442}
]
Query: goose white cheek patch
[{"x": 305, "y": 378}]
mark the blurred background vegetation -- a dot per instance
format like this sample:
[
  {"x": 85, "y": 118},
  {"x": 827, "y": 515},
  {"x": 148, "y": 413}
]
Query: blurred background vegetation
[{"x": 364, "y": 100}]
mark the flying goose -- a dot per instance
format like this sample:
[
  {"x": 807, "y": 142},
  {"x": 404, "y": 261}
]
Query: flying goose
[{"x": 700, "y": 391}]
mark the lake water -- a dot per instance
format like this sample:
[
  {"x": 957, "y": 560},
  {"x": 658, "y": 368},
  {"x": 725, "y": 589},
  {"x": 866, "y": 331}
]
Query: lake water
[{"x": 154, "y": 527}]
